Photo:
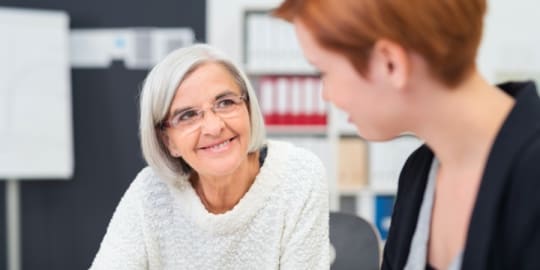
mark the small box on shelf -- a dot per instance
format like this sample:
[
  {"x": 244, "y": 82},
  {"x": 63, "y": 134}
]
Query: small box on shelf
[{"x": 352, "y": 164}]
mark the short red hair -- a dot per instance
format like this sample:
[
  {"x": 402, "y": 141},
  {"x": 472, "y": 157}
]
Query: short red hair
[{"x": 446, "y": 33}]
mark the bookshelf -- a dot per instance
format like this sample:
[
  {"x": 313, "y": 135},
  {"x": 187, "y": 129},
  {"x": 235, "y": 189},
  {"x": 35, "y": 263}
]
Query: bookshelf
[{"x": 362, "y": 175}]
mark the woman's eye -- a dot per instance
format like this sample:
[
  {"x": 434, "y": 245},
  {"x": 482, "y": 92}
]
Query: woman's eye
[
  {"x": 187, "y": 115},
  {"x": 226, "y": 102}
]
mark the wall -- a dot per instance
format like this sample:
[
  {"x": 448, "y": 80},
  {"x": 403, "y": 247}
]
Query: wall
[
  {"x": 2, "y": 226},
  {"x": 510, "y": 41},
  {"x": 63, "y": 222}
]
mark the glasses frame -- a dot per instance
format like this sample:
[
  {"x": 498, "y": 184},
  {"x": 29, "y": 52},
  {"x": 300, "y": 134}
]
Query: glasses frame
[{"x": 166, "y": 123}]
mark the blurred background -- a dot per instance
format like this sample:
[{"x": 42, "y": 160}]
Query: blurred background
[
  {"x": 62, "y": 222},
  {"x": 111, "y": 45}
]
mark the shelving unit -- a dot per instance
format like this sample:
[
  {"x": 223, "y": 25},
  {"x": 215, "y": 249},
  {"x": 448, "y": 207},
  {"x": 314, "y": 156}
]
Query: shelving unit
[{"x": 267, "y": 48}]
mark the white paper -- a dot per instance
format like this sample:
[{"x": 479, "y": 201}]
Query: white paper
[{"x": 35, "y": 95}]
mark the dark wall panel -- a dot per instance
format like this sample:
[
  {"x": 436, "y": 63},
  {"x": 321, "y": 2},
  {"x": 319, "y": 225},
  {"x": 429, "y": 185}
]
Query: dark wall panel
[
  {"x": 63, "y": 222},
  {"x": 125, "y": 13}
]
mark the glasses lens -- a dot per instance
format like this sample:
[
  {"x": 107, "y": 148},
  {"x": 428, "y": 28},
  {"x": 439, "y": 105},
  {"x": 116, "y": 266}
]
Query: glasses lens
[
  {"x": 228, "y": 106},
  {"x": 225, "y": 107}
]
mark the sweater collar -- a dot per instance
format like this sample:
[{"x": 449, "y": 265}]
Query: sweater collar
[{"x": 245, "y": 210}]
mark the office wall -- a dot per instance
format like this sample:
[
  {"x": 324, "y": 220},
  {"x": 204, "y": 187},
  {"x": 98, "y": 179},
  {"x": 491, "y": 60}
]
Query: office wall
[
  {"x": 2, "y": 226},
  {"x": 509, "y": 48},
  {"x": 63, "y": 222}
]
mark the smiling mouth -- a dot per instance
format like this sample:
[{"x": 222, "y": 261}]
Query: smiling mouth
[{"x": 219, "y": 145}]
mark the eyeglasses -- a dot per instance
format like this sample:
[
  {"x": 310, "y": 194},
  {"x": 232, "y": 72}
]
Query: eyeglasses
[{"x": 191, "y": 119}]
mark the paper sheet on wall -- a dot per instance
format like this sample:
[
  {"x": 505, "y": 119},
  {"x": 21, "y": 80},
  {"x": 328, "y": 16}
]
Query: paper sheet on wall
[{"x": 35, "y": 96}]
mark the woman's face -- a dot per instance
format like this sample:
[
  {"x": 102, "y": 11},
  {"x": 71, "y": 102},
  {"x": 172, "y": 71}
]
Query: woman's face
[
  {"x": 371, "y": 106},
  {"x": 217, "y": 143}
]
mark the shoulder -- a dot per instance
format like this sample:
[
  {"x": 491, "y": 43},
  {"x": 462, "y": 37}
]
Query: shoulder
[
  {"x": 146, "y": 177},
  {"x": 418, "y": 163},
  {"x": 296, "y": 159},
  {"x": 414, "y": 174},
  {"x": 148, "y": 187},
  {"x": 519, "y": 202},
  {"x": 302, "y": 182},
  {"x": 526, "y": 172},
  {"x": 419, "y": 159},
  {"x": 299, "y": 170},
  {"x": 529, "y": 159},
  {"x": 302, "y": 173},
  {"x": 411, "y": 186}
]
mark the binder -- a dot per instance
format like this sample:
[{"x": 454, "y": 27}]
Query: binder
[
  {"x": 384, "y": 205},
  {"x": 292, "y": 101}
]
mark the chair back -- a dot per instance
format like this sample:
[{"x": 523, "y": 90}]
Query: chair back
[{"x": 355, "y": 243}]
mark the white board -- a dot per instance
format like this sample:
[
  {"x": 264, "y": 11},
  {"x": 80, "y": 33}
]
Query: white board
[{"x": 35, "y": 95}]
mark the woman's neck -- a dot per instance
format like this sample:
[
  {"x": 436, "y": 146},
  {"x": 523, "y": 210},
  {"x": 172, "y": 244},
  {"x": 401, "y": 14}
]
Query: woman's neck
[
  {"x": 460, "y": 124},
  {"x": 221, "y": 194}
]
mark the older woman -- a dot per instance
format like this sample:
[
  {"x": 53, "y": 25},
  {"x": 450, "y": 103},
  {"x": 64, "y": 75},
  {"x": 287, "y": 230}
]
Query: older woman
[
  {"x": 469, "y": 198},
  {"x": 216, "y": 194}
]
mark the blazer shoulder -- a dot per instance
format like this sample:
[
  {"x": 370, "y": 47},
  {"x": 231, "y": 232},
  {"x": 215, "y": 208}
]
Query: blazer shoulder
[
  {"x": 420, "y": 160},
  {"x": 527, "y": 166}
]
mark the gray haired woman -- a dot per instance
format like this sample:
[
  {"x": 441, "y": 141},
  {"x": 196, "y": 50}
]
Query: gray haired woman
[{"x": 216, "y": 193}]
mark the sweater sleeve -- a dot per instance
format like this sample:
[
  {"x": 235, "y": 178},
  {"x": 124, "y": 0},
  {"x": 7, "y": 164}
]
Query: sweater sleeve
[
  {"x": 308, "y": 246},
  {"x": 123, "y": 245}
]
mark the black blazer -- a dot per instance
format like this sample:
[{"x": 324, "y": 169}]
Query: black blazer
[{"x": 504, "y": 230}]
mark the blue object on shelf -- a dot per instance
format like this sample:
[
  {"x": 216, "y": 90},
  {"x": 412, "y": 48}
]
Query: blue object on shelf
[{"x": 383, "y": 213}]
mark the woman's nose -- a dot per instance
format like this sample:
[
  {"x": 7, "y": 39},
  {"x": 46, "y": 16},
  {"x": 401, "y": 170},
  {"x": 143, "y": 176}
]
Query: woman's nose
[{"x": 211, "y": 123}]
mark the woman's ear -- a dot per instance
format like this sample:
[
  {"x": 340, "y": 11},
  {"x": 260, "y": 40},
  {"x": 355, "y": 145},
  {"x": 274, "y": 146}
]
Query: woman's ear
[{"x": 390, "y": 61}]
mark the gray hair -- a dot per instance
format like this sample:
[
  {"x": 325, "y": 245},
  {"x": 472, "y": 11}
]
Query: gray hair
[{"x": 158, "y": 92}]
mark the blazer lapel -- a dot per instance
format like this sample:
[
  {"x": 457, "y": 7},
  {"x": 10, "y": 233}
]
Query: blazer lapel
[
  {"x": 406, "y": 208},
  {"x": 511, "y": 138}
]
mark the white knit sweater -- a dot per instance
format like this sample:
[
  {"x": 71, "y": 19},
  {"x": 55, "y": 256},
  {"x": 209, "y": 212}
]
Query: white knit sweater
[{"x": 280, "y": 223}]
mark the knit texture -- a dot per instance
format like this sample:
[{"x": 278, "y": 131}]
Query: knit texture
[{"x": 280, "y": 223}]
